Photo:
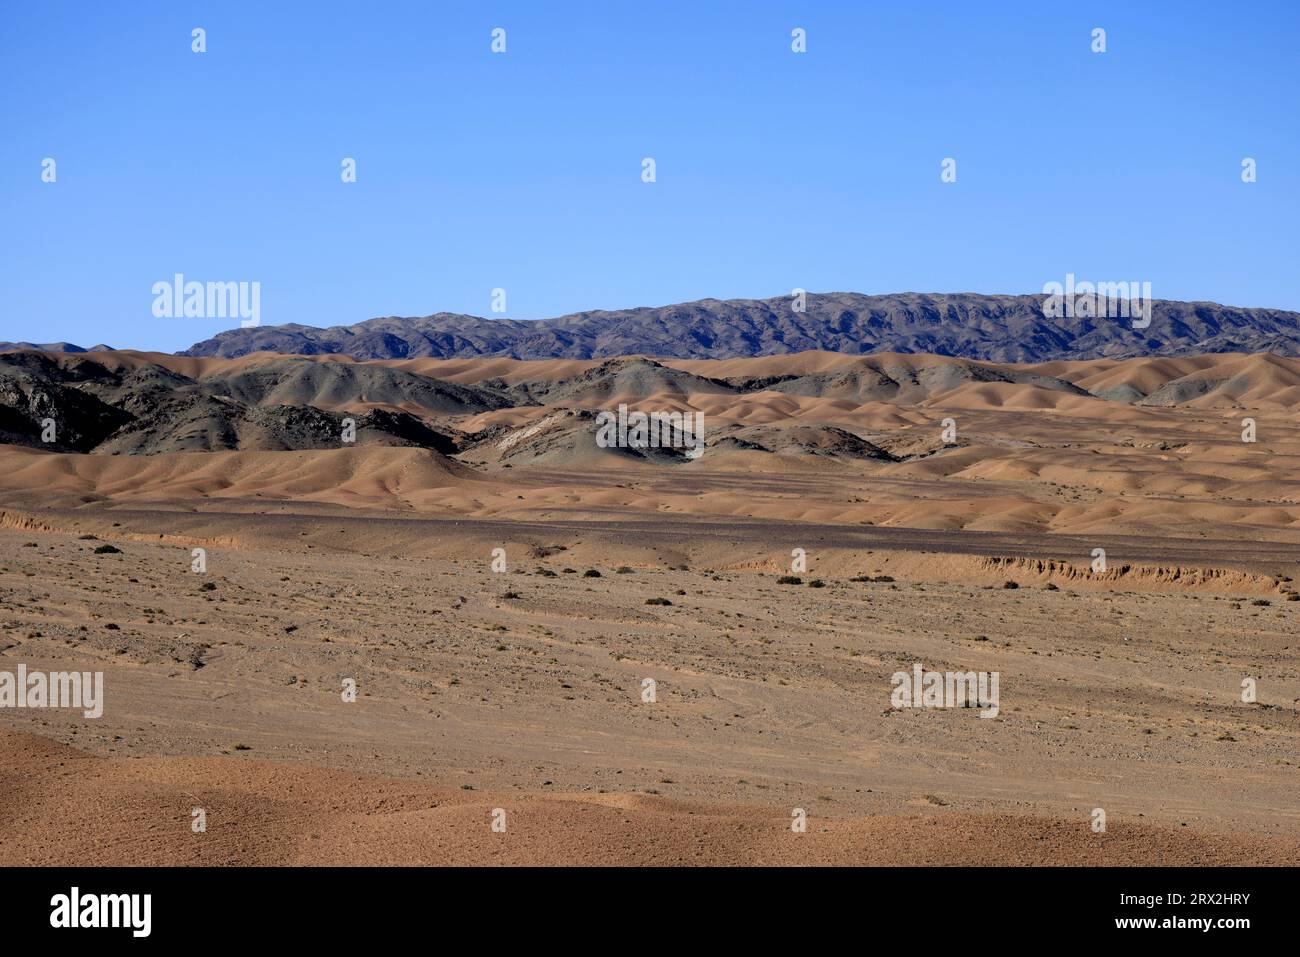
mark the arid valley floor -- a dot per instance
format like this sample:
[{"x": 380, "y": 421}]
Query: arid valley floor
[{"x": 522, "y": 690}]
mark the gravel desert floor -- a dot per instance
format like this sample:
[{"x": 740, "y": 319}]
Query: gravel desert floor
[{"x": 525, "y": 691}]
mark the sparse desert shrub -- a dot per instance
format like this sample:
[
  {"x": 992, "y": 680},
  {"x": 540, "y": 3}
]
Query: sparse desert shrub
[
  {"x": 816, "y": 583},
  {"x": 789, "y": 580},
  {"x": 591, "y": 573},
  {"x": 107, "y": 550},
  {"x": 1010, "y": 584},
  {"x": 657, "y": 601}
]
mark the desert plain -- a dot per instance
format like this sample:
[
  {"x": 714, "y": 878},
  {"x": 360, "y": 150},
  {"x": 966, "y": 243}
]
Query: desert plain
[{"x": 499, "y": 588}]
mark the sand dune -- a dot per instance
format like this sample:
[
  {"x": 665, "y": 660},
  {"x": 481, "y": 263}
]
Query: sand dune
[{"x": 388, "y": 476}]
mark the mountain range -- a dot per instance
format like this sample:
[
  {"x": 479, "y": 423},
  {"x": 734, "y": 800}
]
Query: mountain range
[
  {"x": 992, "y": 328},
  {"x": 965, "y": 325}
]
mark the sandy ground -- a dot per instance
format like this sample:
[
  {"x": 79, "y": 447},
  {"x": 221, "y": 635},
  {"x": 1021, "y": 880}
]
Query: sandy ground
[
  {"x": 526, "y": 688},
  {"x": 114, "y": 812},
  {"x": 522, "y": 690}
]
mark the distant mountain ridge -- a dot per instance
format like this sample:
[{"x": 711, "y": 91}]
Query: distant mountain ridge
[
  {"x": 52, "y": 347},
  {"x": 966, "y": 325}
]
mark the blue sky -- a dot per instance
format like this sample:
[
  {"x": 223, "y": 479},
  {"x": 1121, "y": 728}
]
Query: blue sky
[{"x": 522, "y": 170}]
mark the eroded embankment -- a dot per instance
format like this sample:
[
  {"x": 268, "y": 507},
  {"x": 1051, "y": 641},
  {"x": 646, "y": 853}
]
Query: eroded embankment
[
  {"x": 755, "y": 549},
  {"x": 1139, "y": 576}
]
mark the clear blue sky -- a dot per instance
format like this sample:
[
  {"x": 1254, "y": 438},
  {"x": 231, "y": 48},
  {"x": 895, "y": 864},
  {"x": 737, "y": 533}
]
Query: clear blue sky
[{"x": 523, "y": 170}]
